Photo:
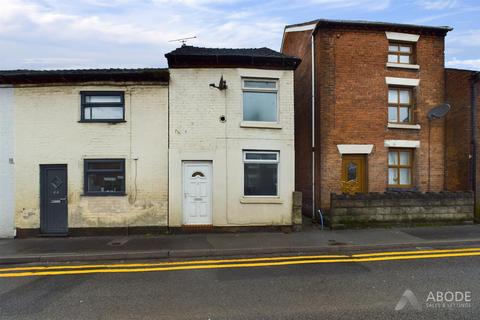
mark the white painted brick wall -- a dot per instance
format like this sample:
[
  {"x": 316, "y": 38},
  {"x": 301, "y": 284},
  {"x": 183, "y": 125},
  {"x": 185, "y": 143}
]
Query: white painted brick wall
[
  {"x": 7, "y": 125},
  {"x": 197, "y": 134},
  {"x": 48, "y": 132}
]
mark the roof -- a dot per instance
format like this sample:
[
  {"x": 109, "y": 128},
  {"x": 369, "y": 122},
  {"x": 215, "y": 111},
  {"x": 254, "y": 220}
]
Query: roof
[
  {"x": 474, "y": 74},
  {"x": 244, "y": 52},
  {"x": 190, "y": 56},
  {"x": 462, "y": 70},
  {"x": 83, "y": 75},
  {"x": 373, "y": 24}
]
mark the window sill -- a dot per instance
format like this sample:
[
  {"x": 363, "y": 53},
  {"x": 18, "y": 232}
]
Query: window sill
[
  {"x": 261, "y": 200},
  {"x": 104, "y": 194},
  {"x": 260, "y": 125},
  {"x": 403, "y": 65},
  {"x": 404, "y": 126},
  {"x": 102, "y": 121}
]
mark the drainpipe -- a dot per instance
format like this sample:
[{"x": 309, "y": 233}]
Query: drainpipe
[
  {"x": 313, "y": 124},
  {"x": 474, "y": 82}
]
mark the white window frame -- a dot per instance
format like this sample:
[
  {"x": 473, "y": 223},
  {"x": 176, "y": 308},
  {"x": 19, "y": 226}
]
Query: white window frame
[
  {"x": 265, "y": 90},
  {"x": 277, "y": 162}
]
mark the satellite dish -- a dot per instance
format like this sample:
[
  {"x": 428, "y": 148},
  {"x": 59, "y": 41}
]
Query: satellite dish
[{"x": 439, "y": 111}]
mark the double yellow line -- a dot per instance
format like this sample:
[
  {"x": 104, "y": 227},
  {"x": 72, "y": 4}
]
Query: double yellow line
[{"x": 233, "y": 263}]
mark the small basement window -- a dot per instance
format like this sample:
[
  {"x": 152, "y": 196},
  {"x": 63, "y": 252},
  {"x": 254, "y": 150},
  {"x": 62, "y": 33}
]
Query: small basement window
[
  {"x": 103, "y": 106},
  {"x": 400, "y": 53},
  {"x": 260, "y": 100},
  {"x": 104, "y": 177},
  {"x": 261, "y": 173}
]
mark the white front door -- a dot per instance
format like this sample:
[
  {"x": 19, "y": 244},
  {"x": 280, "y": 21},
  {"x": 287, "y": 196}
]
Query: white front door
[{"x": 197, "y": 192}]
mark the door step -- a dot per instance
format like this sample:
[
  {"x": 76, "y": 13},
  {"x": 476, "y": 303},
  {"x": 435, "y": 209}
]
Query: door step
[
  {"x": 197, "y": 227},
  {"x": 52, "y": 235}
]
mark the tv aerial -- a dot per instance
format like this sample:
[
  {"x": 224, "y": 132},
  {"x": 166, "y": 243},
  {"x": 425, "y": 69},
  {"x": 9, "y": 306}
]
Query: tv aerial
[{"x": 183, "y": 41}]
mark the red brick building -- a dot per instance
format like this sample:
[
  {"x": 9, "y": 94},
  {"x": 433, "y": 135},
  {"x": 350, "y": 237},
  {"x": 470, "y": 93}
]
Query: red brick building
[
  {"x": 462, "y": 88},
  {"x": 362, "y": 95}
]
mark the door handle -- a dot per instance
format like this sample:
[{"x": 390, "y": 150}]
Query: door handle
[{"x": 57, "y": 201}]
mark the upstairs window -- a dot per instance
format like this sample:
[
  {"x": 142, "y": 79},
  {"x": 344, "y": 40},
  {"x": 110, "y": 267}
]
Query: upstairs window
[
  {"x": 400, "y": 53},
  {"x": 400, "y": 163},
  {"x": 103, "y": 106},
  {"x": 260, "y": 173},
  {"x": 104, "y": 177},
  {"x": 400, "y": 105},
  {"x": 260, "y": 101}
]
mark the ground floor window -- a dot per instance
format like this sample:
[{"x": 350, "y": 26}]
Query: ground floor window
[
  {"x": 104, "y": 176},
  {"x": 261, "y": 173},
  {"x": 400, "y": 164}
]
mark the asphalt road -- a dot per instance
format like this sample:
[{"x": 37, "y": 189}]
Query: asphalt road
[{"x": 353, "y": 290}]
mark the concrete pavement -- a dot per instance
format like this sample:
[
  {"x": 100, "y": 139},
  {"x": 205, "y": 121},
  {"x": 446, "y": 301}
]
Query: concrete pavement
[{"x": 310, "y": 240}]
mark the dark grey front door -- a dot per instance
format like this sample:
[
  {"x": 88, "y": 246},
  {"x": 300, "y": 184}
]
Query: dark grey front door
[{"x": 53, "y": 203}]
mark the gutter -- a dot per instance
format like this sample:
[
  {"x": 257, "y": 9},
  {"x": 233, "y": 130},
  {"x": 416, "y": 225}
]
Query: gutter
[
  {"x": 224, "y": 61},
  {"x": 292, "y": 250}
]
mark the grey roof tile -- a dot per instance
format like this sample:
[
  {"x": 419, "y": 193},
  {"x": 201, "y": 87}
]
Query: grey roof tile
[{"x": 242, "y": 52}]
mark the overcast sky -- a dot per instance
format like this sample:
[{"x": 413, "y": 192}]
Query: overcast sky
[{"x": 56, "y": 34}]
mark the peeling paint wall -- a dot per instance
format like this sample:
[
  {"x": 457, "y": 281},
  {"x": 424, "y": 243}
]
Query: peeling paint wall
[
  {"x": 48, "y": 132},
  {"x": 196, "y": 133},
  {"x": 7, "y": 151}
]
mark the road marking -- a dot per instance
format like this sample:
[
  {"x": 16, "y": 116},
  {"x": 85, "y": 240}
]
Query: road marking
[
  {"x": 414, "y": 252},
  {"x": 244, "y": 265},
  {"x": 121, "y": 265}
]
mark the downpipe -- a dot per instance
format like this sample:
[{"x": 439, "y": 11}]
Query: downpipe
[
  {"x": 474, "y": 96},
  {"x": 313, "y": 125}
]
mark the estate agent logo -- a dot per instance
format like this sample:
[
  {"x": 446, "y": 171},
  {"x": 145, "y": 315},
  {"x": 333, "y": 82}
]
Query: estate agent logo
[
  {"x": 408, "y": 297},
  {"x": 436, "y": 300}
]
